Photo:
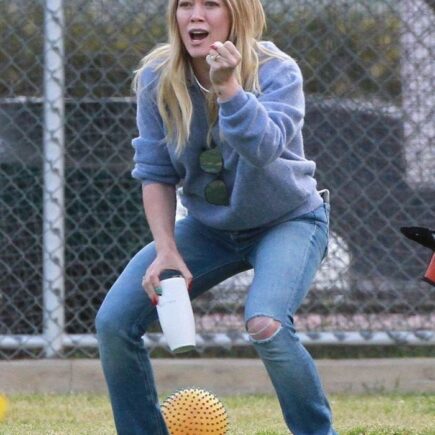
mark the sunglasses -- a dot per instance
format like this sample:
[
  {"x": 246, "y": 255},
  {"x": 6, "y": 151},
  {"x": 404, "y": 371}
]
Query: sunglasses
[{"x": 211, "y": 162}]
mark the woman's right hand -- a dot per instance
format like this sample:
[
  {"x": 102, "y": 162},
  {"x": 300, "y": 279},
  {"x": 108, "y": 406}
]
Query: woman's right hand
[{"x": 164, "y": 260}]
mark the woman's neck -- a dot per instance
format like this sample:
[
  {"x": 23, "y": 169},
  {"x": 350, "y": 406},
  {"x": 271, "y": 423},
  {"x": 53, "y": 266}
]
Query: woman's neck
[{"x": 201, "y": 69}]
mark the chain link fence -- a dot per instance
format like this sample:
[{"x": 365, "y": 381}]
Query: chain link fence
[{"x": 71, "y": 215}]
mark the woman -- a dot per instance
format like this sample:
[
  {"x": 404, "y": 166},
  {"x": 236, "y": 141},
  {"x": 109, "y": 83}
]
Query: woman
[{"x": 223, "y": 112}]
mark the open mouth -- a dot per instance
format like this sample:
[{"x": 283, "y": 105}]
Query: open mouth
[{"x": 198, "y": 35}]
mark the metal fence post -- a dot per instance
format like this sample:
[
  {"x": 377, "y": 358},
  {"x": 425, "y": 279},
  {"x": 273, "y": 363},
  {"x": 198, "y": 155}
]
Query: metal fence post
[
  {"x": 418, "y": 75},
  {"x": 53, "y": 202}
]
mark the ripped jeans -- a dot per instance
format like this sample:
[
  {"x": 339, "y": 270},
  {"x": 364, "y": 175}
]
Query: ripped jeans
[{"x": 285, "y": 258}]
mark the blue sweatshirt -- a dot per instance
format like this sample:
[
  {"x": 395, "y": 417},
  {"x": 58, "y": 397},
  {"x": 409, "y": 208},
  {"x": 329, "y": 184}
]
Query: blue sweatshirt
[{"x": 260, "y": 138}]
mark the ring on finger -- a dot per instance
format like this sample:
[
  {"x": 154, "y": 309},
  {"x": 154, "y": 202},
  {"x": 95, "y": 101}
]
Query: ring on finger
[
  {"x": 158, "y": 290},
  {"x": 212, "y": 58}
]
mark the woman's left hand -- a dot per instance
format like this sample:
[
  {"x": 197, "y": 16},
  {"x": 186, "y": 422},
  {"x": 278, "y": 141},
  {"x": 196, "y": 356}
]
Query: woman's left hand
[{"x": 223, "y": 59}]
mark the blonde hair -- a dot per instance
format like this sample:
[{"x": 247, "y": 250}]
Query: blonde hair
[{"x": 248, "y": 22}]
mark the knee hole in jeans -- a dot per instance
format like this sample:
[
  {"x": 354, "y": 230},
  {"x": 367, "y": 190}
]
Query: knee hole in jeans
[{"x": 262, "y": 327}]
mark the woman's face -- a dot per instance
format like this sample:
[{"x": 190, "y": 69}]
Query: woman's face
[{"x": 201, "y": 23}]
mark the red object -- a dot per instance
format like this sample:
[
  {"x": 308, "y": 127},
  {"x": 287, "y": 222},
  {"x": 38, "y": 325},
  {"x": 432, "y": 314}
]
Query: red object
[
  {"x": 154, "y": 300},
  {"x": 429, "y": 276}
]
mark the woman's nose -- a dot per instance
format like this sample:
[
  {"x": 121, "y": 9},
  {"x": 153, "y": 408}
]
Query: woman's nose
[{"x": 197, "y": 12}]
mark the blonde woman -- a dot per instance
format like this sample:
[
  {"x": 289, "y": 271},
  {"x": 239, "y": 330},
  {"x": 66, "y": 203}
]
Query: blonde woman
[{"x": 221, "y": 112}]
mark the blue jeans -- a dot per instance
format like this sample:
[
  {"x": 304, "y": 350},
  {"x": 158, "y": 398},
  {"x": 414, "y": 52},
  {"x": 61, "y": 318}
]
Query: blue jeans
[{"x": 285, "y": 258}]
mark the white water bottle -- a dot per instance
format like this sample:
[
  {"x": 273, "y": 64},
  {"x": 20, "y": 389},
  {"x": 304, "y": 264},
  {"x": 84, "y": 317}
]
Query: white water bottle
[{"x": 176, "y": 315}]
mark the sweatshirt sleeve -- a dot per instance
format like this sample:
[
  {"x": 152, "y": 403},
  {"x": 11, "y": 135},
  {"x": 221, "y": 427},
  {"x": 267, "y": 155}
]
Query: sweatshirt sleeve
[
  {"x": 260, "y": 127},
  {"x": 152, "y": 163}
]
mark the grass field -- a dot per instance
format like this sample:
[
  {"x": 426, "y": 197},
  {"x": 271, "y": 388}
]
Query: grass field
[{"x": 249, "y": 415}]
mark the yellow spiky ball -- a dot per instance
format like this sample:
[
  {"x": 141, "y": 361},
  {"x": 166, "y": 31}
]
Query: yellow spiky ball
[
  {"x": 194, "y": 411},
  {"x": 3, "y": 407}
]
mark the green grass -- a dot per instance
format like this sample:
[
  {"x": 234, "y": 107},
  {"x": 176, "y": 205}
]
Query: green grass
[{"x": 249, "y": 415}]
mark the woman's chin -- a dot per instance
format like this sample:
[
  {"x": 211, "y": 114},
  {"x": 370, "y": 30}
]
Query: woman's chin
[
  {"x": 195, "y": 55},
  {"x": 197, "y": 52}
]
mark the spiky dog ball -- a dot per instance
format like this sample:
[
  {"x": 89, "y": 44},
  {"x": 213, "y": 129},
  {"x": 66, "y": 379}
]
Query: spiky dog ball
[{"x": 194, "y": 411}]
